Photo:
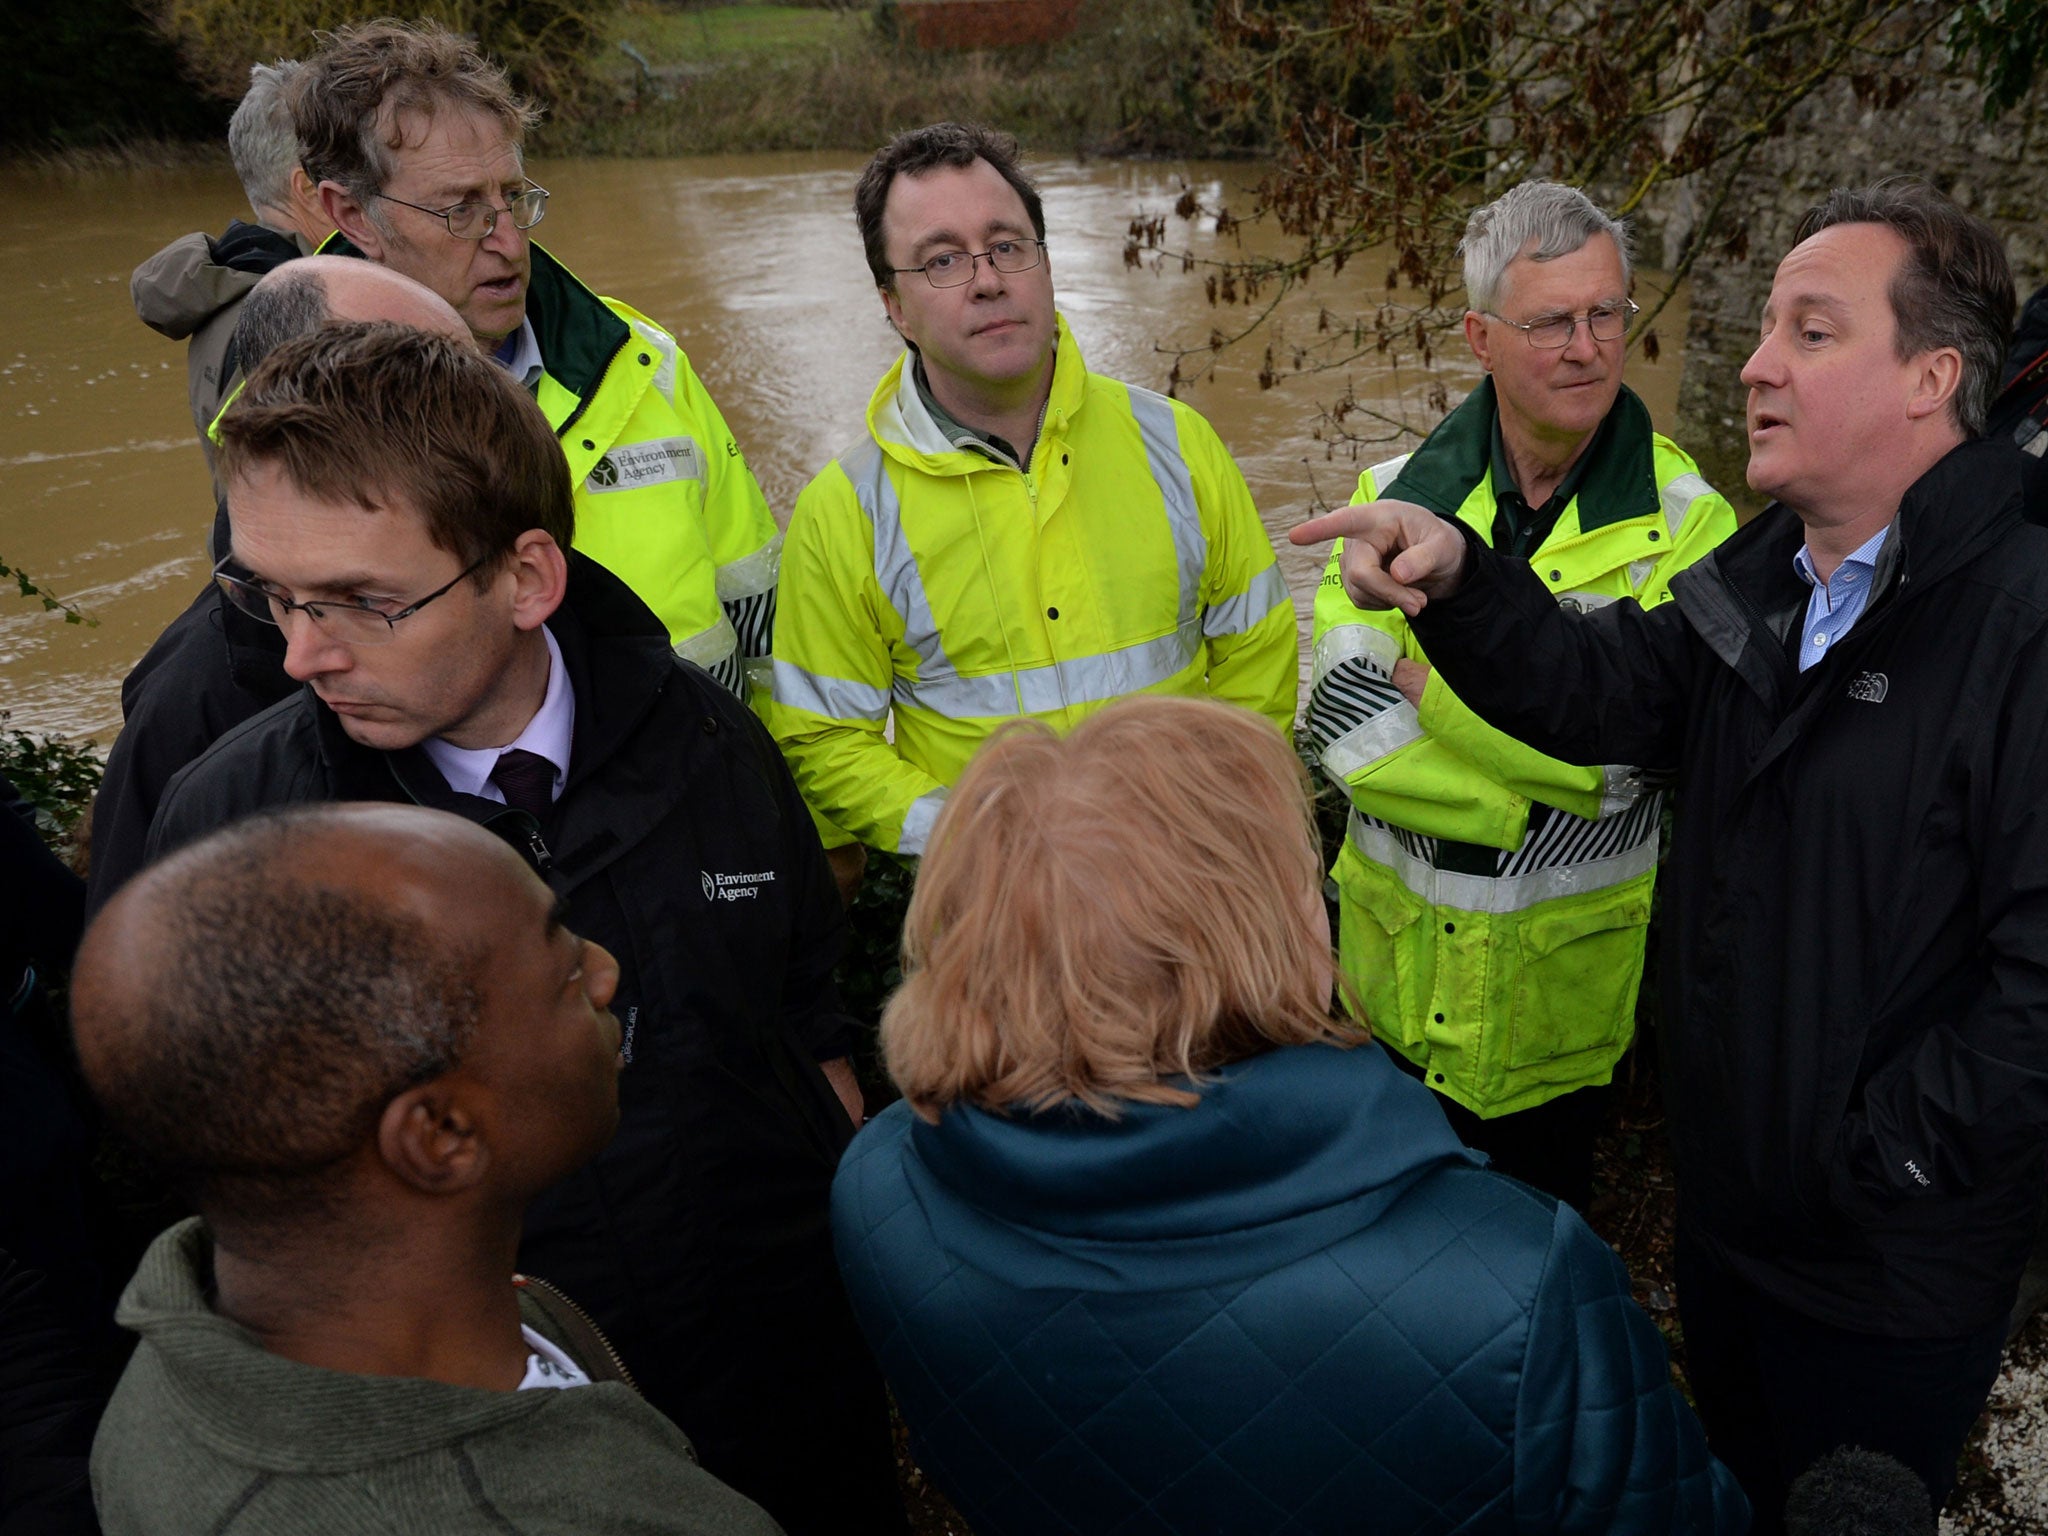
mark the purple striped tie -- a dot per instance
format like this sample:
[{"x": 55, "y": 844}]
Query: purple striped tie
[{"x": 528, "y": 780}]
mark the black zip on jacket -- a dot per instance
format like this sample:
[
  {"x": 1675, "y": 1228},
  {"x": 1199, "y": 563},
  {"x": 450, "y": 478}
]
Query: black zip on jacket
[
  {"x": 699, "y": 1239},
  {"x": 1855, "y": 1038}
]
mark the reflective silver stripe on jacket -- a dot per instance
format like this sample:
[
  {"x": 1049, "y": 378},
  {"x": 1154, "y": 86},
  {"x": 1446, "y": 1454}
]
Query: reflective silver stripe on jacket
[
  {"x": 918, "y": 822},
  {"x": 836, "y": 698},
  {"x": 751, "y": 574},
  {"x": 1161, "y": 435},
  {"x": 1241, "y": 614},
  {"x": 1621, "y": 786},
  {"x": 1679, "y": 496},
  {"x": 895, "y": 566},
  {"x": 1384, "y": 475},
  {"x": 710, "y": 646},
  {"x": 1040, "y": 690},
  {"x": 1356, "y": 715},
  {"x": 1508, "y": 892}
]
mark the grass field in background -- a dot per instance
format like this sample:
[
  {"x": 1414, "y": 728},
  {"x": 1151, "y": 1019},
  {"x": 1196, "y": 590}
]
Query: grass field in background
[{"x": 720, "y": 33}]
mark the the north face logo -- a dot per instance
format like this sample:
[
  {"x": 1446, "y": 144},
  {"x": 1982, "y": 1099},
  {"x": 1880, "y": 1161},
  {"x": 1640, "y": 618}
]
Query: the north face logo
[{"x": 1869, "y": 687}]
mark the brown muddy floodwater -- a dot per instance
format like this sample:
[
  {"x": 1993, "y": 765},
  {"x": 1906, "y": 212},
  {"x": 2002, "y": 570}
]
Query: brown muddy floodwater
[{"x": 752, "y": 261}]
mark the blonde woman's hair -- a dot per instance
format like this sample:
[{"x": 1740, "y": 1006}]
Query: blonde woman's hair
[{"x": 1100, "y": 914}]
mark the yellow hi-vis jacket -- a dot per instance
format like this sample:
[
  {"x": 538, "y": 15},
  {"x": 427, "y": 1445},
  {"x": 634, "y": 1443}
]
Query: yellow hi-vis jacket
[
  {"x": 929, "y": 581},
  {"x": 664, "y": 499},
  {"x": 1497, "y": 949}
]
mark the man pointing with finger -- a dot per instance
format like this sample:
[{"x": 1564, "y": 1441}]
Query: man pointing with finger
[
  {"x": 1493, "y": 901},
  {"x": 1853, "y": 694}
]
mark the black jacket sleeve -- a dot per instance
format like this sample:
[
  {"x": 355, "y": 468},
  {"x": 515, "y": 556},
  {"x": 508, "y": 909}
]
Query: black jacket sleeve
[{"x": 1610, "y": 686}]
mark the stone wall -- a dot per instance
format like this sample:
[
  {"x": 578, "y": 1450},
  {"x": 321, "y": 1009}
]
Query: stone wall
[{"x": 1998, "y": 170}]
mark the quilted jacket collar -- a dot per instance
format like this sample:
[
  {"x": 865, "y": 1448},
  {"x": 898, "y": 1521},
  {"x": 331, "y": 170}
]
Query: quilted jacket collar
[{"x": 1286, "y": 1153}]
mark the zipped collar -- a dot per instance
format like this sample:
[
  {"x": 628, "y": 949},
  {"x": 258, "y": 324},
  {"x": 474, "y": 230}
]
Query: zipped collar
[
  {"x": 906, "y": 431},
  {"x": 1619, "y": 483}
]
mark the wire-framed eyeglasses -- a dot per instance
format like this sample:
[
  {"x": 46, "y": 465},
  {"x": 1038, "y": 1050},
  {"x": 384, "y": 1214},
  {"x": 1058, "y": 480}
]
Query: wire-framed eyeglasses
[
  {"x": 476, "y": 221},
  {"x": 950, "y": 269},
  {"x": 352, "y": 620},
  {"x": 1607, "y": 322}
]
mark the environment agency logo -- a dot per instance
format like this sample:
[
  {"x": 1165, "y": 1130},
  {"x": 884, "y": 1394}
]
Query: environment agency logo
[
  {"x": 629, "y": 466},
  {"x": 741, "y": 886}
]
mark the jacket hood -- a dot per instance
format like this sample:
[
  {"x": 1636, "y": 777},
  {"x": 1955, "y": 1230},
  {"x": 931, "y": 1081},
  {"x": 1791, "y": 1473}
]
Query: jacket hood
[
  {"x": 265, "y": 1411},
  {"x": 899, "y": 422},
  {"x": 1285, "y": 1154},
  {"x": 195, "y": 277}
]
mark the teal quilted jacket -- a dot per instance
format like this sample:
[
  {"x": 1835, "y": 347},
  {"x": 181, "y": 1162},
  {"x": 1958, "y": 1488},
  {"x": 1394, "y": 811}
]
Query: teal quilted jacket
[{"x": 1299, "y": 1306}]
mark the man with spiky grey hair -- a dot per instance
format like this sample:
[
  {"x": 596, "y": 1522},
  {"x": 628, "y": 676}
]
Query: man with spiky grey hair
[
  {"x": 1493, "y": 900},
  {"x": 194, "y": 286}
]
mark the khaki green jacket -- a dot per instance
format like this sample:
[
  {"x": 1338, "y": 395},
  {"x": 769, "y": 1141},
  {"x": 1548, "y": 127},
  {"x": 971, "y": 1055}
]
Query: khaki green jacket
[
  {"x": 1493, "y": 901},
  {"x": 210, "y": 1435}
]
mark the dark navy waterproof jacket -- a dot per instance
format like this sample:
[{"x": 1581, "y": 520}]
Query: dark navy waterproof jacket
[{"x": 1299, "y": 1306}]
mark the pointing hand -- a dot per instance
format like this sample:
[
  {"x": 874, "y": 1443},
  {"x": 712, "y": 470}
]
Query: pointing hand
[{"x": 1396, "y": 554}]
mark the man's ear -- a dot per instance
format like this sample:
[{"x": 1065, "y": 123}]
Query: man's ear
[
  {"x": 428, "y": 1137},
  {"x": 1939, "y": 376},
  {"x": 352, "y": 219},
  {"x": 308, "y": 208},
  {"x": 540, "y": 572},
  {"x": 893, "y": 307},
  {"x": 1478, "y": 340}
]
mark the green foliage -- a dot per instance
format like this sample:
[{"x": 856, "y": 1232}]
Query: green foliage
[
  {"x": 58, "y": 777},
  {"x": 50, "y": 601},
  {"x": 2005, "y": 41},
  {"x": 88, "y": 73},
  {"x": 873, "y": 965}
]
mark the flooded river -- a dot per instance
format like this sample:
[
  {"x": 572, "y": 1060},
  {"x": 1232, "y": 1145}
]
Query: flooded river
[{"x": 753, "y": 262}]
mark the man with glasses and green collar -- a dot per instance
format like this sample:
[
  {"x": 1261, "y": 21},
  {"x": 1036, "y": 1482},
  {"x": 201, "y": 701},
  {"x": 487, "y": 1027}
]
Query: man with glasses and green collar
[
  {"x": 1012, "y": 535},
  {"x": 414, "y": 138},
  {"x": 1494, "y": 901}
]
